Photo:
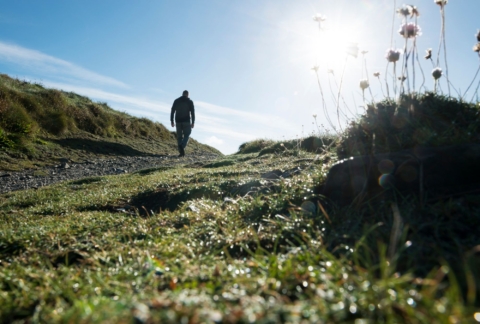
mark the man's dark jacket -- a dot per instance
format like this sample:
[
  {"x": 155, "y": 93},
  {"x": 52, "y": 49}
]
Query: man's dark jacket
[{"x": 182, "y": 109}]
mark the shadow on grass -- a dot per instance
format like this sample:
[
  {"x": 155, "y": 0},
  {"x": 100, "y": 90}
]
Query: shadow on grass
[
  {"x": 148, "y": 171},
  {"x": 86, "y": 181},
  {"x": 155, "y": 201},
  {"x": 99, "y": 147}
]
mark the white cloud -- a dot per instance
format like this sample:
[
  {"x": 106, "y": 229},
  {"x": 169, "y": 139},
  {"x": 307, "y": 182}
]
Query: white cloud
[
  {"x": 229, "y": 132},
  {"x": 249, "y": 117},
  {"x": 213, "y": 140},
  {"x": 37, "y": 60},
  {"x": 151, "y": 105}
]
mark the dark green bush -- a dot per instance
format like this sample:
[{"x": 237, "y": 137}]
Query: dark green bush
[
  {"x": 15, "y": 119},
  {"x": 56, "y": 122},
  {"x": 254, "y": 146},
  {"x": 5, "y": 142},
  {"x": 416, "y": 120}
]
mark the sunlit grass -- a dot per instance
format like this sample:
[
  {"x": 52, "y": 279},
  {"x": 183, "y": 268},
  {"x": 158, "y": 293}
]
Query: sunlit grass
[{"x": 211, "y": 244}]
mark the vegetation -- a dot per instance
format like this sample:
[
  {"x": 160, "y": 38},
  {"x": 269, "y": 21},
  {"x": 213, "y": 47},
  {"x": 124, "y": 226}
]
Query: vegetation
[
  {"x": 39, "y": 125},
  {"x": 229, "y": 242},
  {"x": 312, "y": 144},
  {"x": 248, "y": 237},
  {"x": 414, "y": 120}
]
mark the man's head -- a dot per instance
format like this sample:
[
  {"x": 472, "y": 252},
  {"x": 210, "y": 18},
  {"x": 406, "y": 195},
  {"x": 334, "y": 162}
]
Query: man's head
[{"x": 185, "y": 93}]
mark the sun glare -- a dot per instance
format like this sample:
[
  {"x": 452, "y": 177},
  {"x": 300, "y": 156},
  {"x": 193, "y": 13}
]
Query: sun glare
[{"x": 335, "y": 46}]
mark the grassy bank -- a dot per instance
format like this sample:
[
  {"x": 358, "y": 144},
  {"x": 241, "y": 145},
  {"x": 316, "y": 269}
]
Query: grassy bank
[
  {"x": 40, "y": 125},
  {"x": 220, "y": 242},
  {"x": 249, "y": 238}
]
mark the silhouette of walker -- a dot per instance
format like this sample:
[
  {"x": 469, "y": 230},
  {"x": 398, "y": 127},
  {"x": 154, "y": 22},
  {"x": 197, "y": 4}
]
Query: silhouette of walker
[{"x": 183, "y": 109}]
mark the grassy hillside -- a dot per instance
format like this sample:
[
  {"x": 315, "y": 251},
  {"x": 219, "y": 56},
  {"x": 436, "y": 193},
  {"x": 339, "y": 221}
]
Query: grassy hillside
[
  {"x": 248, "y": 238},
  {"x": 39, "y": 125},
  {"x": 220, "y": 243}
]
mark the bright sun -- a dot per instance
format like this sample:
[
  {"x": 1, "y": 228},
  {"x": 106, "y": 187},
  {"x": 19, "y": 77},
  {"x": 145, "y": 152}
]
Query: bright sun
[{"x": 333, "y": 47}]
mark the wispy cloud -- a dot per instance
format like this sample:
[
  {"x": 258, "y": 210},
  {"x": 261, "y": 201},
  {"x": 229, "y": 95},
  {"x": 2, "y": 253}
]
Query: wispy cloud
[
  {"x": 249, "y": 117},
  {"x": 213, "y": 141},
  {"x": 45, "y": 63},
  {"x": 123, "y": 100},
  {"x": 230, "y": 132}
]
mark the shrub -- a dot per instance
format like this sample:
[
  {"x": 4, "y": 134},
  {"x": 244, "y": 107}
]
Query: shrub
[
  {"x": 254, "y": 146},
  {"x": 14, "y": 119},
  {"x": 417, "y": 119},
  {"x": 56, "y": 123},
  {"x": 5, "y": 142}
]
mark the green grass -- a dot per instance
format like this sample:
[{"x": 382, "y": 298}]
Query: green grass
[
  {"x": 219, "y": 243},
  {"x": 312, "y": 143},
  {"x": 423, "y": 119},
  {"x": 39, "y": 125}
]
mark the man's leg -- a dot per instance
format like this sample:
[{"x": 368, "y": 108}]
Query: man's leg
[
  {"x": 187, "y": 130},
  {"x": 180, "y": 138}
]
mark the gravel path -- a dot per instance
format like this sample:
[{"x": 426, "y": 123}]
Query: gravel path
[{"x": 66, "y": 170}]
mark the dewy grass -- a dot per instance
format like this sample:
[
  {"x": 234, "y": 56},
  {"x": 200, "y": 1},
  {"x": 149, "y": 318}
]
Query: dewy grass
[{"x": 224, "y": 244}]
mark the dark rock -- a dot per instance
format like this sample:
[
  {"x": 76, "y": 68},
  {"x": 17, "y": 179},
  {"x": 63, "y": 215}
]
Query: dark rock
[
  {"x": 228, "y": 200},
  {"x": 291, "y": 172},
  {"x": 272, "y": 175},
  {"x": 428, "y": 173},
  {"x": 248, "y": 188},
  {"x": 308, "y": 208}
]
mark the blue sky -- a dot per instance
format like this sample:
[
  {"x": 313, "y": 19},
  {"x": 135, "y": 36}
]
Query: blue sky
[{"x": 246, "y": 63}]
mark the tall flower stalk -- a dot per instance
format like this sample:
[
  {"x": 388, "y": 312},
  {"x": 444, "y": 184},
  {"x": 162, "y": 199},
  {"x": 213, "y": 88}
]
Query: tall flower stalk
[
  {"x": 364, "y": 84},
  {"x": 366, "y": 73},
  {"x": 377, "y": 75},
  {"x": 408, "y": 30},
  {"x": 442, "y": 4},
  {"x": 324, "y": 105},
  {"x": 414, "y": 13},
  {"x": 352, "y": 50},
  {"x": 476, "y": 49},
  {"x": 340, "y": 91},
  {"x": 436, "y": 74},
  {"x": 392, "y": 56}
]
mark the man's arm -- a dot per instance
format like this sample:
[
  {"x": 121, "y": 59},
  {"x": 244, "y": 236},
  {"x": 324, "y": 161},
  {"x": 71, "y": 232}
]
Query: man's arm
[
  {"x": 192, "y": 113},
  {"x": 172, "y": 113}
]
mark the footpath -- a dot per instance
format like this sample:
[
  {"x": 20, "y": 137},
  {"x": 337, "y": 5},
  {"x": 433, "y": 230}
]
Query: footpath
[{"x": 68, "y": 170}]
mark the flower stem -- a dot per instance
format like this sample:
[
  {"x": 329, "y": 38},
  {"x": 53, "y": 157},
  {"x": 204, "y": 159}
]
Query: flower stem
[
  {"x": 421, "y": 70},
  {"x": 476, "y": 74},
  {"x": 405, "y": 59},
  {"x": 476, "y": 91},
  {"x": 386, "y": 81},
  {"x": 414, "y": 48},
  {"x": 339, "y": 92},
  {"x": 324, "y": 105},
  {"x": 366, "y": 72},
  {"x": 395, "y": 79},
  {"x": 381, "y": 87},
  {"x": 445, "y": 49}
]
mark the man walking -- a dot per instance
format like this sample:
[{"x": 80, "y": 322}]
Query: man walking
[{"x": 183, "y": 109}]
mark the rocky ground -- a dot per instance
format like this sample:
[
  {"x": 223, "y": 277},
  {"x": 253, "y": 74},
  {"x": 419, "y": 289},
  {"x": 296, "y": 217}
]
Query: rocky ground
[{"x": 68, "y": 170}]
